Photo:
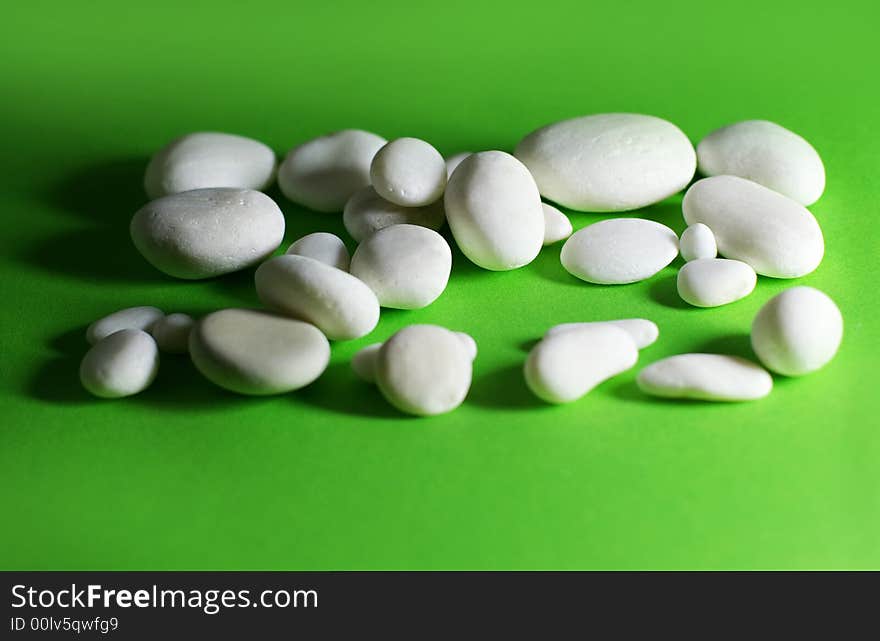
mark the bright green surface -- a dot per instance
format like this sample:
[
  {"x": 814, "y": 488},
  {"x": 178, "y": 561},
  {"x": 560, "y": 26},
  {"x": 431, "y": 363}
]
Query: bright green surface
[{"x": 186, "y": 476}]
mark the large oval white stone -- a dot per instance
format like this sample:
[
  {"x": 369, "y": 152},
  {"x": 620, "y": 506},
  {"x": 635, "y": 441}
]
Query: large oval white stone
[{"x": 707, "y": 377}]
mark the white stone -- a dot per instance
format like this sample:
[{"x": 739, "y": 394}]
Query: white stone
[
  {"x": 364, "y": 361},
  {"x": 129, "y": 318},
  {"x": 121, "y": 364},
  {"x": 366, "y": 213},
  {"x": 642, "y": 331},
  {"x": 454, "y": 161},
  {"x": 697, "y": 241},
  {"x": 706, "y": 377},
  {"x": 565, "y": 365},
  {"x": 406, "y": 266},
  {"x": 207, "y": 232},
  {"x": 777, "y": 236},
  {"x": 469, "y": 343},
  {"x": 765, "y": 153},
  {"x": 323, "y": 173},
  {"x": 494, "y": 211},
  {"x": 171, "y": 333},
  {"x": 408, "y": 172},
  {"x": 209, "y": 159},
  {"x": 424, "y": 370},
  {"x": 609, "y": 162},
  {"x": 257, "y": 353},
  {"x": 619, "y": 251},
  {"x": 797, "y": 332},
  {"x": 324, "y": 247},
  {"x": 711, "y": 282},
  {"x": 557, "y": 226},
  {"x": 340, "y": 305}
]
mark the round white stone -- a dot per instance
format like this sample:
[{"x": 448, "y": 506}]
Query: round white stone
[
  {"x": 408, "y": 172},
  {"x": 406, "y": 266},
  {"x": 129, "y": 318},
  {"x": 777, "y": 236},
  {"x": 609, "y": 162},
  {"x": 797, "y": 332},
  {"x": 454, "y": 161},
  {"x": 697, "y": 241},
  {"x": 557, "y": 226},
  {"x": 209, "y": 159},
  {"x": 323, "y": 173},
  {"x": 711, "y": 282},
  {"x": 324, "y": 247},
  {"x": 424, "y": 370},
  {"x": 340, "y": 305},
  {"x": 366, "y": 213},
  {"x": 642, "y": 331},
  {"x": 706, "y": 377},
  {"x": 364, "y": 362},
  {"x": 171, "y": 333},
  {"x": 765, "y": 153},
  {"x": 494, "y": 211},
  {"x": 121, "y": 364},
  {"x": 257, "y": 353},
  {"x": 207, "y": 232},
  {"x": 565, "y": 365},
  {"x": 619, "y": 251}
]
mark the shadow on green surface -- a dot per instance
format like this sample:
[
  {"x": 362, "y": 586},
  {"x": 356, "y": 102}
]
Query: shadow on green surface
[
  {"x": 339, "y": 390},
  {"x": 734, "y": 344},
  {"x": 664, "y": 290},
  {"x": 503, "y": 388}
]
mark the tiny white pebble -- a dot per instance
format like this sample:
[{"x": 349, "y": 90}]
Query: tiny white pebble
[
  {"x": 322, "y": 246},
  {"x": 172, "y": 333},
  {"x": 454, "y": 161},
  {"x": 557, "y": 226},
  {"x": 697, "y": 241}
]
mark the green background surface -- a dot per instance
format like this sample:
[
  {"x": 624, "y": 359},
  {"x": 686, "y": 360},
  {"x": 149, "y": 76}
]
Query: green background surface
[{"x": 186, "y": 476}]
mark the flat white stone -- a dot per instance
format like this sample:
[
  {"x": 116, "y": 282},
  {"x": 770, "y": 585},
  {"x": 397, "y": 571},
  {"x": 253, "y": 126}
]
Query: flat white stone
[
  {"x": 324, "y": 247},
  {"x": 619, "y": 251},
  {"x": 557, "y": 226},
  {"x": 207, "y": 232},
  {"x": 609, "y": 162},
  {"x": 711, "y": 282},
  {"x": 366, "y": 213},
  {"x": 121, "y": 364},
  {"x": 707, "y": 377},
  {"x": 130, "y": 318},
  {"x": 774, "y": 234},
  {"x": 408, "y": 172},
  {"x": 454, "y": 161},
  {"x": 171, "y": 333},
  {"x": 257, "y": 353},
  {"x": 697, "y": 241},
  {"x": 642, "y": 331}
]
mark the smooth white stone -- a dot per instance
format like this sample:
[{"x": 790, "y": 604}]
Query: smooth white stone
[
  {"x": 565, "y": 365},
  {"x": 707, "y": 377},
  {"x": 775, "y": 235},
  {"x": 557, "y": 226},
  {"x": 797, "y": 332},
  {"x": 454, "y": 161},
  {"x": 257, "y": 353},
  {"x": 324, "y": 247},
  {"x": 765, "y": 153},
  {"x": 364, "y": 362},
  {"x": 171, "y": 333},
  {"x": 366, "y": 213},
  {"x": 340, "y": 305},
  {"x": 209, "y": 159},
  {"x": 121, "y": 364},
  {"x": 642, "y": 331},
  {"x": 711, "y": 282},
  {"x": 323, "y": 173},
  {"x": 424, "y": 370},
  {"x": 406, "y": 266},
  {"x": 129, "y": 318},
  {"x": 469, "y": 343},
  {"x": 697, "y": 241},
  {"x": 609, "y": 162},
  {"x": 494, "y": 211},
  {"x": 619, "y": 251},
  {"x": 207, "y": 232},
  {"x": 408, "y": 172}
]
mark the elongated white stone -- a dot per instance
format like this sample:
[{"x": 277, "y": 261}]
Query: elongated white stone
[
  {"x": 408, "y": 172},
  {"x": 557, "y": 226},
  {"x": 642, "y": 331},
  {"x": 711, "y": 282},
  {"x": 171, "y": 333},
  {"x": 324, "y": 247},
  {"x": 366, "y": 213},
  {"x": 121, "y": 364},
  {"x": 697, "y": 241},
  {"x": 708, "y": 377},
  {"x": 130, "y": 318}
]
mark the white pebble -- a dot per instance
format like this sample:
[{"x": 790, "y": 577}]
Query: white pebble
[
  {"x": 424, "y": 370},
  {"x": 323, "y": 173},
  {"x": 494, "y": 211},
  {"x": 797, "y": 332},
  {"x": 697, "y": 241},
  {"x": 364, "y": 362},
  {"x": 324, "y": 247},
  {"x": 454, "y": 161},
  {"x": 619, "y": 251},
  {"x": 209, "y": 159},
  {"x": 711, "y": 282},
  {"x": 366, "y": 213},
  {"x": 121, "y": 364},
  {"x": 408, "y": 172},
  {"x": 469, "y": 343},
  {"x": 706, "y": 377},
  {"x": 609, "y": 162},
  {"x": 129, "y": 318},
  {"x": 557, "y": 226},
  {"x": 766, "y": 153},
  {"x": 565, "y": 365},
  {"x": 171, "y": 333},
  {"x": 777, "y": 236},
  {"x": 642, "y": 331},
  {"x": 340, "y": 305},
  {"x": 207, "y": 232},
  {"x": 257, "y": 353},
  {"x": 406, "y": 266}
]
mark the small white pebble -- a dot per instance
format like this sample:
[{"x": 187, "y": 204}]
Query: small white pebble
[
  {"x": 469, "y": 343},
  {"x": 707, "y": 377},
  {"x": 408, "y": 172},
  {"x": 642, "y": 331},
  {"x": 172, "y": 333},
  {"x": 364, "y": 362},
  {"x": 454, "y": 161},
  {"x": 697, "y": 241},
  {"x": 557, "y": 226},
  {"x": 366, "y": 212},
  {"x": 322, "y": 246},
  {"x": 711, "y": 282},
  {"x": 121, "y": 364},
  {"x": 129, "y": 318}
]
